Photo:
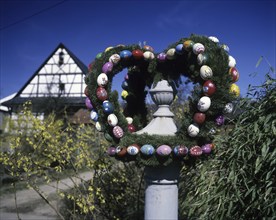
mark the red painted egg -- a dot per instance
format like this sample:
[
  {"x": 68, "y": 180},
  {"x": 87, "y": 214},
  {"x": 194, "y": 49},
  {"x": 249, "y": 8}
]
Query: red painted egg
[
  {"x": 195, "y": 151},
  {"x": 209, "y": 88},
  {"x": 102, "y": 94},
  {"x": 131, "y": 128},
  {"x": 234, "y": 73},
  {"x": 86, "y": 91},
  {"x": 199, "y": 118},
  {"x": 137, "y": 54}
]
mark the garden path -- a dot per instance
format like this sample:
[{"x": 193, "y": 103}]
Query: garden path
[{"x": 30, "y": 206}]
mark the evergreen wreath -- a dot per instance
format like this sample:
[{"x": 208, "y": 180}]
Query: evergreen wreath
[{"x": 203, "y": 60}]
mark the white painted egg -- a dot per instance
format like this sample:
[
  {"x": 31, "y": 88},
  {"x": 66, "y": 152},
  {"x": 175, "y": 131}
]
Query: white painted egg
[
  {"x": 231, "y": 61},
  {"x": 170, "y": 55},
  {"x": 98, "y": 126},
  {"x": 198, "y": 48},
  {"x": 228, "y": 108},
  {"x": 193, "y": 130},
  {"x": 94, "y": 115},
  {"x": 112, "y": 120},
  {"x": 129, "y": 120},
  {"x": 133, "y": 149},
  {"x": 214, "y": 39},
  {"x": 115, "y": 59},
  {"x": 102, "y": 79},
  {"x": 204, "y": 104},
  {"x": 148, "y": 55},
  {"x": 206, "y": 72}
]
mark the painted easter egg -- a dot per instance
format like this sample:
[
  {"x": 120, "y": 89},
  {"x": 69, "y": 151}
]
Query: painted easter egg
[
  {"x": 124, "y": 85},
  {"x": 170, "y": 54},
  {"x": 108, "y": 107},
  {"x": 115, "y": 59},
  {"x": 231, "y": 61},
  {"x": 180, "y": 151},
  {"x": 204, "y": 104},
  {"x": 108, "y": 137},
  {"x": 86, "y": 91},
  {"x": 107, "y": 67},
  {"x": 121, "y": 151},
  {"x": 235, "y": 90},
  {"x": 129, "y": 120},
  {"x": 202, "y": 59},
  {"x": 209, "y": 88},
  {"x": 98, "y": 126},
  {"x": 214, "y": 39},
  {"x": 206, "y": 148},
  {"x": 234, "y": 73},
  {"x": 225, "y": 47},
  {"x": 195, "y": 151},
  {"x": 199, "y": 118},
  {"x": 133, "y": 149},
  {"x": 94, "y": 115},
  {"x": 220, "y": 120},
  {"x": 163, "y": 150},
  {"x": 111, "y": 151},
  {"x": 124, "y": 94},
  {"x": 206, "y": 72},
  {"x": 125, "y": 54},
  {"x": 88, "y": 103},
  {"x": 108, "y": 49},
  {"x": 149, "y": 48},
  {"x": 137, "y": 54},
  {"x": 179, "y": 49},
  {"x": 118, "y": 131},
  {"x": 101, "y": 93},
  {"x": 112, "y": 120},
  {"x": 228, "y": 108},
  {"x": 102, "y": 79},
  {"x": 198, "y": 48},
  {"x": 131, "y": 128},
  {"x": 148, "y": 55},
  {"x": 147, "y": 149},
  {"x": 193, "y": 130},
  {"x": 161, "y": 57},
  {"x": 188, "y": 45},
  {"x": 99, "y": 55}
]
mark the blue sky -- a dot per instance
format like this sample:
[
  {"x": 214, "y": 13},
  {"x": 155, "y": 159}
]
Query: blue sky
[{"x": 27, "y": 37}]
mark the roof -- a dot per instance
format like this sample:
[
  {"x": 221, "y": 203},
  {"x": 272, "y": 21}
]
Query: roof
[{"x": 17, "y": 100}]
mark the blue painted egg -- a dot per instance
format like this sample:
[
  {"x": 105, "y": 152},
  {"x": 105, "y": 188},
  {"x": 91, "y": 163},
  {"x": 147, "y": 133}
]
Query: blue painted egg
[
  {"x": 180, "y": 151},
  {"x": 163, "y": 150},
  {"x": 108, "y": 108},
  {"x": 125, "y": 85},
  {"x": 179, "y": 49},
  {"x": 94, "y": 115},
  {"x": 125, "y": 54},
  {"x": 147, "y": 150}
]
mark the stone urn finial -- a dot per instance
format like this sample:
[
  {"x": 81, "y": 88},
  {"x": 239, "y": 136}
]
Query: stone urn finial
[{"x": 162, "y": 123}]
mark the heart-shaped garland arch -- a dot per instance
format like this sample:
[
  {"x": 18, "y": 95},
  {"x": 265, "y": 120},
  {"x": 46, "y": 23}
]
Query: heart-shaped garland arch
[{"x": 203, "y": 60}]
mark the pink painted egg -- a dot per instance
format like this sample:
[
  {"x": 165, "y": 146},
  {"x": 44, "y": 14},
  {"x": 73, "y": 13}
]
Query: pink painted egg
[
  {"x": 163, "y": 150},
  {"x": 195, "y": 151},
  {"x": 118, "y": 131}
]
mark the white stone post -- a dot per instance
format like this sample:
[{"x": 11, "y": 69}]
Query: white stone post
[{"x": 161, "y": 194}]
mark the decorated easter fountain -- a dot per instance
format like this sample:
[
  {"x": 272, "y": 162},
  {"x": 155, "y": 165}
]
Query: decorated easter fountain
[{"x": 159, "y": 145}]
